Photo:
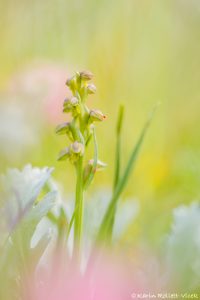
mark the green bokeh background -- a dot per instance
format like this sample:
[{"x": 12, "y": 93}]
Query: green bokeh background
[{"x": 141, "y": 52}]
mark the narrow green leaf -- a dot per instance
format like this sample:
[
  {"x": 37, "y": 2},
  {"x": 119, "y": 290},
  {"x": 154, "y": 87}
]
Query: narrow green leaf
[
  {"x": 117, "y": 161},
  {"x": 118, "y": 146},
  {"x": 107, "y": 225}
]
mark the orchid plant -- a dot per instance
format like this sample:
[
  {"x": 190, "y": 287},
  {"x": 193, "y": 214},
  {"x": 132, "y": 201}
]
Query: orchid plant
[{"x": 80, "y": 132}]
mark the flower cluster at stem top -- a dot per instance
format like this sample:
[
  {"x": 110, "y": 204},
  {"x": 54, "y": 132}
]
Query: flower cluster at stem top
[{"x": 80, "y": 129}]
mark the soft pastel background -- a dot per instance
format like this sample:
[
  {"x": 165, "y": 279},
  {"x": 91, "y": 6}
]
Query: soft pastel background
[{"x": 141, "y": 52}]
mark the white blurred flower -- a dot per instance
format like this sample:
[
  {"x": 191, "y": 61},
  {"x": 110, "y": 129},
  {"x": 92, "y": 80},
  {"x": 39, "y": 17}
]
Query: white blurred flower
[
  {"x": 183, "y": 246},
  {"x": 31, "y": 101},
  {"x": 16, "y": 131},
  {"x": 19, "y": 191}
]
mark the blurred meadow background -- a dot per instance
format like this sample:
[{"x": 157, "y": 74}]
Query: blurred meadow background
[{"x": 141, "y": 52}]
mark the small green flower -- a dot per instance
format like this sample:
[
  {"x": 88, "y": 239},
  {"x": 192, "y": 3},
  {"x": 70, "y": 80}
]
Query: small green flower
[
  {"x": 77, "y": 148},
  {"x": 76, "y": 151},
  {"x": 86, "y": 75},
  {"x": 73, "y": 152},
  {"x": 71, "y": 81},
  {"x": 64, "y": 128},
  {"x": 96, "y": 115},
  {"x": 71, "y": 105},
  {"x": 100, "y": 164},
  {"x": 91, "y": 88},
  {"x": 91, "y": 168},
  {"x": 64, "y": 154}
]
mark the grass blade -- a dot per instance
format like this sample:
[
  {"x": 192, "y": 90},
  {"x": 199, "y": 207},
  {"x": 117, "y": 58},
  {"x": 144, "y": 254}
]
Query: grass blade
[
  {"x": 106, "y": 226},
  {"x": 118, "y": 146},
  {"x": 117, "y": 161}
]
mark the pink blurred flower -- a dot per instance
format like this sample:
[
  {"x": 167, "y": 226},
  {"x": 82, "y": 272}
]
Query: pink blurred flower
[
  {"x": 104, "y": 279},
  {"x": 42, "y": 86}
]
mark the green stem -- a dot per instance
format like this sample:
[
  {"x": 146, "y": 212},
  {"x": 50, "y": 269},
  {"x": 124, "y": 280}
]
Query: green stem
[
  {"x": 78, "y": 219},
  {"x": 93, "y": 170}
]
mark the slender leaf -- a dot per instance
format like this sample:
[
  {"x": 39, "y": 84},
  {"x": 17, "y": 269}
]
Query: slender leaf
[
  {"x": 118, "y": 146},
  {"x": 117, "y": 161},
  {"x": 107, "y": 224}
]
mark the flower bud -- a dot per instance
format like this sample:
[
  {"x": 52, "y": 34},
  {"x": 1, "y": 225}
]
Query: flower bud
[
  {"x": 86, "y": 75},
  {"x": 64, "y": 154},
  {"x": 91, "y": 88},
  {"x": 77, "y": 148},
  {"x": 90, "y": 170},
  {"x": 70, "y": 81},
  {"x": 96, "y": 115},
  {"x": 100, "y": 164},
  {"x": 67, "y": 105},
  {"x": 63, "y": 128},
  {"x": 74, "y": 101},
  {"x": 71, "y": 105},
  {"x": 73, "y": 152}
]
